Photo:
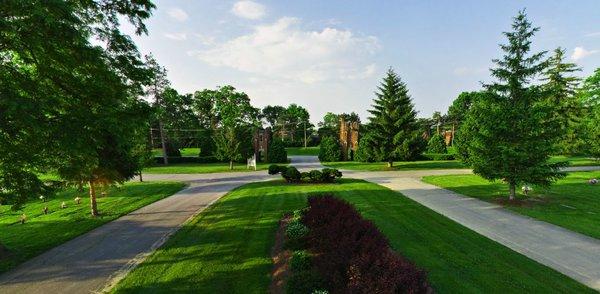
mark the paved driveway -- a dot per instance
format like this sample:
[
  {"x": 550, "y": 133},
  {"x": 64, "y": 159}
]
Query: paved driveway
[{"x": 100, "y": 257}]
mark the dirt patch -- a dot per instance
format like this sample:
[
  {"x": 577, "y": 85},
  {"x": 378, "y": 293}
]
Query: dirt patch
[
  {"x": 4, "y": 253},
  {"x": 281, "y": 258}
]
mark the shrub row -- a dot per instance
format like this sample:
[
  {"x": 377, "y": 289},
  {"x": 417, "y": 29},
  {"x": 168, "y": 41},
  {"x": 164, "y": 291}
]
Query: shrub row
[
  {"x": 202, "y": 159},
  {"x": 352, "y": 256},
  {"x": 439, "y": 156},
  {"x": 292, "y": 175}
]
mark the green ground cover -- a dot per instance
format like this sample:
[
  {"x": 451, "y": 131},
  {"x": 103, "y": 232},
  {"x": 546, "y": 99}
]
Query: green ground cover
[
  {"x": 185, "y": 152},
  {"x": 42, "y": 232},
  {"x": 226, "y": 248},
  {"x": 440, "y": 164},
  {"x": 571, "y": 203},
  {"x": 398, "y": 165},
  {"x": 201, "y": 168},
  {"x": 313, "y": 151}
]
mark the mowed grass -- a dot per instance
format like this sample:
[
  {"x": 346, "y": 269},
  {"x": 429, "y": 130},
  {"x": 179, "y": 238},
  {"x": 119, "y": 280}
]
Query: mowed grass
[
  {"x": 226, "y": 248},
  {"x": 398, "y": 165},
  {"x": 571, "y": 203},
  {"x": 201, "y": 168},
  {"x": 314, "y": 151},
  {"x": 576, "y": 160},
  {"x": 42, "y": 232},
  {"x": 440, "y": 164},
  {"x": 185, "y": 152}
]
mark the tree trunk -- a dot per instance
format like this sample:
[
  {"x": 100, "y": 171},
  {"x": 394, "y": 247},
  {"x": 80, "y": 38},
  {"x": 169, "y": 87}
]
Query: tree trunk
[
  {"x": 141, "y": 178},
  {"x": 93, "y": 204},
  {"x": 512, "y": 193},
  {"x": 231, "y": 164},
  {"x": 163, "y": 142},
  {"x": 80, "y": 186}
]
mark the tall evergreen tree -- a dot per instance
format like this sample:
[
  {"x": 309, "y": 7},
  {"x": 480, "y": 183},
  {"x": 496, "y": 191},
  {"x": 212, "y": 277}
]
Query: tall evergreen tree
[
  {"x": 561, "y": 87},
  {"x": 512, "y": 130},
  {"x": 393, "y": 124}
]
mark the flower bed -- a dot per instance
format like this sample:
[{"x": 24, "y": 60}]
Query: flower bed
[{"x": 340, "y": 252}]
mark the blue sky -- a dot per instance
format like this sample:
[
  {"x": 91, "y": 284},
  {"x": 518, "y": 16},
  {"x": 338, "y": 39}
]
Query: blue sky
[{"x": 331, "y": 55}]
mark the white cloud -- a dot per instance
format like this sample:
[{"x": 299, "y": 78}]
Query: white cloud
[
  {"x": 177, "y": 36},
  {"x": 282, "y": 50},
  {"x": 580, "y": 52},
  {"x": 206, "y": 40},
  {"x": 248, "y": 9},
  {"x": 594, "y": 34},
  {"x": 177, "y": 14}
]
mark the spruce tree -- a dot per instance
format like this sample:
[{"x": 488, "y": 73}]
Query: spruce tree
[
  {"x": 512, "y": 130},
  {"x": 393, "y": 125},
  {"x": 561, "y": 87}
]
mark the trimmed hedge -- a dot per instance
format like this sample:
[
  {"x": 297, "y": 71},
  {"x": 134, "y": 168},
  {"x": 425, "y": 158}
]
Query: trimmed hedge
[
  {"x": 352, "y": 256},
  {"x": 175, "y": 160},
  {"x": 292, "y": 175},
  {"x": 330, "y": 150}
]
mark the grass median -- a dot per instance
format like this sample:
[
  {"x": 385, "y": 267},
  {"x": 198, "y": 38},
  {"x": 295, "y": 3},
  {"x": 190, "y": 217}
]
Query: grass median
[{"x": 226, "y": 248}]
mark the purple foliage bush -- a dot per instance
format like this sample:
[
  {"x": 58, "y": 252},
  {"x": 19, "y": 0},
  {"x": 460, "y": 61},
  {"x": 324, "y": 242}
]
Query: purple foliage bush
[{"x": 352, "y": 255}]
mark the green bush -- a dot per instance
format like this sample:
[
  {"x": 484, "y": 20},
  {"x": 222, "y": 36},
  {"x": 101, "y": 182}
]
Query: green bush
[
  {"x": 330, "y": 150},
  {"x": 275, "y": 169},
  {"x": 437, "y": 145},
  {"x": 291, "y": 175},
  {"x": 315, "y": 176},
  {"x": 300, "y": 261},
  {"x": 366, "y": 151},
  {"x": 172, "y": 149},
  {"x": 329, "y": 175},
  {"x": 295, "y": 230},
  {"x": 277, "y": 153}
]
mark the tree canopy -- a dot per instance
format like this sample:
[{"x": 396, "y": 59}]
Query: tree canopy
[
  {"x": 509, "y": 134},
  {"x": 393, "y": 124}
]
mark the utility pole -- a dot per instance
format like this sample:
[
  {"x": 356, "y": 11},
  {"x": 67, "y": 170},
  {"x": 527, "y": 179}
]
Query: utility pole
[
  {"x": 304, "y": 134},
  {"x": 163, "y": 142}
]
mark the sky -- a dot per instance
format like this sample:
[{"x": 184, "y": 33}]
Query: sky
[{"x": 330, "y": 56}]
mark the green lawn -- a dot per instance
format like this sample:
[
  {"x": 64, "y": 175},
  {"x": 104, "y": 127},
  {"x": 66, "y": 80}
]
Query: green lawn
[
  {"x": 314, "y": 151},
  {"x": 201, "y": 168},
  {"x": 42, "y": 232},
  {"x": 398, "y": 165},
  {"x": 571, "y": 203},
  {"x": 226, "y": 248},
  {"x": 576, "y": 160},
  {"x": 185, "y": 152},
  {"x": 440, "y": 164}
]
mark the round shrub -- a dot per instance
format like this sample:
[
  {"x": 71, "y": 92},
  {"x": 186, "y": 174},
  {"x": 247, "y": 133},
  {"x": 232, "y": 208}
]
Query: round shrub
[
  {"x": 277, "y": 153},
  {"x": 300, "y": 261},
  {"x": 330, "y": 150},
  {"x": 296, "y": 230},
  {"x": 315, "y": 176},
  {"x": 437, "y": 145},
  {"x": 275, "y": 169},
  {"x": 291, "y": 174},
  {"x": 329, "y": 175}
]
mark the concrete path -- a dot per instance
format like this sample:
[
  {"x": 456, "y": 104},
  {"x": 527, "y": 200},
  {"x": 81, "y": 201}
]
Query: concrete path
[
  {"x": 573, "y": 254},
  {"x": 100, "y": 257}
]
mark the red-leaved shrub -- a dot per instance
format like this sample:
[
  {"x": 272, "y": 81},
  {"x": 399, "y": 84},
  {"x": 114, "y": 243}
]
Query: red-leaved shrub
[{"x": 352, "y": 255}]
